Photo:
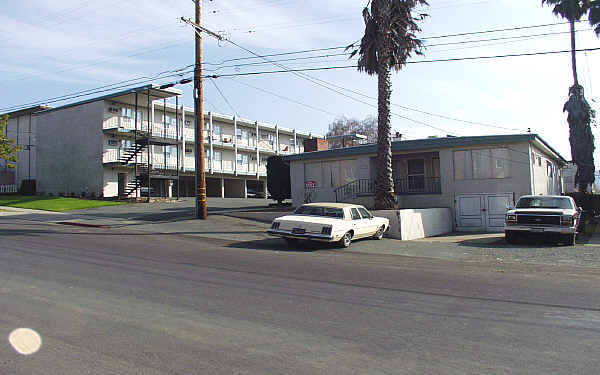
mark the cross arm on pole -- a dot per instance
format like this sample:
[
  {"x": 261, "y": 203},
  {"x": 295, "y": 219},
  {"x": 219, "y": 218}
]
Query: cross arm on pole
[{"x": 201, "y": 28}]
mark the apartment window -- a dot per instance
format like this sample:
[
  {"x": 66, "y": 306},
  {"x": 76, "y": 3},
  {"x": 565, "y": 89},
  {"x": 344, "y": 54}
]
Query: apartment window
[
  {"x": 218, "y": 156},
  {"x": 189, "y": 150},
  {"x": 549, "y": 169},
  {"x": 113, "y": 142},
  {"x": 416, "y": 175},
  {"x": 263, "y": 159},
  {"x": 207, "y": 154},
  {"x": 292, "y": 142},
  {"x": 126, "y": 112},
  {"x": 113, "y": 110},
  {"x": 539, "y": 161}
]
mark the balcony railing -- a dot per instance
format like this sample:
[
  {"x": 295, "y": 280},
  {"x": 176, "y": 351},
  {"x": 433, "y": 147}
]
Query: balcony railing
[
  {"x": 417, "y": 185},
  {"x": 354, "y": 189},
  {"x": 8, "y": 189}
]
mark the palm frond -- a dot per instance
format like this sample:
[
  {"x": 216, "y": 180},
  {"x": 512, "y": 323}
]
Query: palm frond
[{"x": 594, "y": 16}]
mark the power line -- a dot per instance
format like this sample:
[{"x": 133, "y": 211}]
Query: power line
[
  {"x": 224, "y": 97},
  {"x": 89, "y": 92},
  {"x": 409, "y": 62},
  {"x": 283, "y": 97},
  {"x": 418, "y": 110},
  {"x": 425, "y": 38},
  {"x": 494, "y": 30}
]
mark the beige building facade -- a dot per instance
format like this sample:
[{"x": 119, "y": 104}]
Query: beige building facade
[{"x": 477, "y": 177}]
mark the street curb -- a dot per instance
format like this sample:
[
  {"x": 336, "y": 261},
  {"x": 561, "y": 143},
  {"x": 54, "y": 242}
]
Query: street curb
[{"x": 76, "y": 224}]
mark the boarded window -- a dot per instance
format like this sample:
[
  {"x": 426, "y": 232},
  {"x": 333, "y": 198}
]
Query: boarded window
[
  {"x": 481, "y": 164},
  {"x": 463, "y": 165},
  {"x": 501, "y": 163}
]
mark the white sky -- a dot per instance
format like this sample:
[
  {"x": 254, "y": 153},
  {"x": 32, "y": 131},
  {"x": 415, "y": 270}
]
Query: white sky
[{"x": 52, "y": 48}]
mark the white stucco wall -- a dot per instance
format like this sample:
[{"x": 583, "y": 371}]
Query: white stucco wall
[
  {"x": 70, "y": 145},
  {"x": 543, "y": 183},
  {"x": 111, "y": 185},
  {"x": 412, "y": 224}
]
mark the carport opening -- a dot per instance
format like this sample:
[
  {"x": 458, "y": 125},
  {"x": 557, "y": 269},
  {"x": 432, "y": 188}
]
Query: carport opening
[
  {"x": 235, "y": 188},
  {"x": 255, "y": 188},
  {"x": 213, "y": 187}
]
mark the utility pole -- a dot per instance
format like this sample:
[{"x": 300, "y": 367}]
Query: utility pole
[
  {"x": 199, "y": 120},
  {"x": 199, "y": 110}
]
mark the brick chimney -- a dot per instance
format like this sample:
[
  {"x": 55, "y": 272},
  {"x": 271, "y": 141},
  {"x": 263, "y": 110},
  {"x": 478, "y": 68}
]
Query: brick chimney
[{"x": 315, "y": 144}]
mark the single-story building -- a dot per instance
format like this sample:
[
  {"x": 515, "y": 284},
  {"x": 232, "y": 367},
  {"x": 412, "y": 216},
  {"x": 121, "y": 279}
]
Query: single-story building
[{"x": 476, "y": 177}]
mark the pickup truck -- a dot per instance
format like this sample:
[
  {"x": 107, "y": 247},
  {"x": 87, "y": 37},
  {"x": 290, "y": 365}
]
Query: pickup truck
[{"x": 553, "y": 215}]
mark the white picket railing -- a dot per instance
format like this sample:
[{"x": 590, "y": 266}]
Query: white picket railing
[{"x": 5, "y": 189}]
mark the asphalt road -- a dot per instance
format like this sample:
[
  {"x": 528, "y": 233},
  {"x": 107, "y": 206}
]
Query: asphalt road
[{"x": 119, "y": 302}]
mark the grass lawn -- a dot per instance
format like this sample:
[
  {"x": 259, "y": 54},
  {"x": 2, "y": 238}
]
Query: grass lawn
[{"x": 57, "y": 204}]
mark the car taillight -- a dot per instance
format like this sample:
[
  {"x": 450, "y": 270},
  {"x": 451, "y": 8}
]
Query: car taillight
[
  {"x": 275, "y": 225},
  {"x": 326, "y": 230}
]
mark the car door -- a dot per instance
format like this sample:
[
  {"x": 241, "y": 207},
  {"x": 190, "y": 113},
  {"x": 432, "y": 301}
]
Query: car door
[
  {"x": 358, "y": 224},
  {"x": 370, "y": 225}
]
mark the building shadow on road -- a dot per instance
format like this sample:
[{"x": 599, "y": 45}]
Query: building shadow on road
[{"x": 537, "y": 241}]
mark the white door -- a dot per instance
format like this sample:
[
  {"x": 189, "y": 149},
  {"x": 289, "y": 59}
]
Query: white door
[
  {"x": 496, "y": 206},
  {"x": 469, "y": 213},
  {"x": 482, "y": 212}
]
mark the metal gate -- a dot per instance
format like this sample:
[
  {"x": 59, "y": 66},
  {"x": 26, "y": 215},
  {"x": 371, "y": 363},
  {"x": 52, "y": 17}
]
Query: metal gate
[{"x": 482, "y": 212}]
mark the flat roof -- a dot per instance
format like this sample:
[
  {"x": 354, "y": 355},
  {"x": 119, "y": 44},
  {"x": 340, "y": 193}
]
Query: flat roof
[
  {"x": 127, "y": 96},
  {"x": 427, "y": 144}
]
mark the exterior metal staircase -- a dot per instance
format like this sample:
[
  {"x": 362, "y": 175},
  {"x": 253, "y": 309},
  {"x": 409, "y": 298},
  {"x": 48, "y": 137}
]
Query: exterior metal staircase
[
  {"x": 129, "y": 153},
  {"x": 140, "y": 180}
]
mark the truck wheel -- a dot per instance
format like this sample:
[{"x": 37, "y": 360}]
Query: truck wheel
[{"x": 510, "y": 237}]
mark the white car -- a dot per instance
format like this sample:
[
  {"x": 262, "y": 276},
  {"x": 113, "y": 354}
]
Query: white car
[
  {"x": 329, "y": 222},
  {"x": 551, "y": 215}
]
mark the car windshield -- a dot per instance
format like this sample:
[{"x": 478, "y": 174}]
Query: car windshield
[
  {"x": 337, "y": 213},
  {"x": 545, "y": 202}
]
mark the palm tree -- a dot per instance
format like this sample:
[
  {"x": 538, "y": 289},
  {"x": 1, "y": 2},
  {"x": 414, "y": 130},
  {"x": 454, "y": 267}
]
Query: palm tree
[
  {"x": 389, "y": 40},
  {"x": 580, "y": 114}
]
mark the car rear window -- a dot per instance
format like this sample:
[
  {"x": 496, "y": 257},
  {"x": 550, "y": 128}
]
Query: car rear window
[
  {"x": 545, "y": 202},
  {"x": 337, "y": 213}
]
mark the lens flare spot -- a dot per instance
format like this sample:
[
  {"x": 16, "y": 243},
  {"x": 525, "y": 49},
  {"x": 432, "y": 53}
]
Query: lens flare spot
[{"x": 25, "y": 341}]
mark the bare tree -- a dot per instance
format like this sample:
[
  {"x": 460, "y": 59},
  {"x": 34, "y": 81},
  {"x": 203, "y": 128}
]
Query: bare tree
[{"x": 349, "y": 126}]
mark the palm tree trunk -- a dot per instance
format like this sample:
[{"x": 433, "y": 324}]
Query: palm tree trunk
[
  {"x": 384, "y": 184},
  {"x": 573, "y": 59}
]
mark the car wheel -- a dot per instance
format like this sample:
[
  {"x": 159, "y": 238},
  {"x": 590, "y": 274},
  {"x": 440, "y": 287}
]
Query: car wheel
[
  {"x": 510, "y": 237},
  {"x": 346, "y": 240},
  {"x": 291, "y": 241},
  {"x": 379, "y": 234}
]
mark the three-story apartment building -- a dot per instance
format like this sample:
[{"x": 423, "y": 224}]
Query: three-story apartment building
[{"x": 133, "y": 143}]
